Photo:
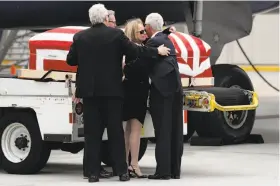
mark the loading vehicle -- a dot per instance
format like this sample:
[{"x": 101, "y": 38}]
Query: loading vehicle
[{"x": 37, "y": 114}]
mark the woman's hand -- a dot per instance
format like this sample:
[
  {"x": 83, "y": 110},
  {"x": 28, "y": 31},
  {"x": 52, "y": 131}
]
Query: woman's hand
[
  {"x": 172, "y": 29},
  {"x": 163, "y": 51}
]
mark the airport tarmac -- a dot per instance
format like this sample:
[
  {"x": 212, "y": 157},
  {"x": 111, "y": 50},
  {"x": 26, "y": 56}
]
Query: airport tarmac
[
  {"x": 242, "y": 165},
  {"x": 238, "y": 165}
]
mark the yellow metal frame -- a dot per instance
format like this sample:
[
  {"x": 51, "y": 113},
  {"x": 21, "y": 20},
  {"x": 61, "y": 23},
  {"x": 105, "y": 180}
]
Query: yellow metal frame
[{"x": 196, "y": 95}]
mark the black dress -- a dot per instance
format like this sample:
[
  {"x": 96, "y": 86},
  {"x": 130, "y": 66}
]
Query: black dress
[{"x": 136, "y": 89}]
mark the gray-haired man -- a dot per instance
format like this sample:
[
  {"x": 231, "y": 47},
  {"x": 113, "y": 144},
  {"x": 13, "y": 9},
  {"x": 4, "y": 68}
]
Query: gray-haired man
[
  {"x": 165, "y": 102},
  {"x": 103, "y": 173},
  {"x": 112, "y": 19}
]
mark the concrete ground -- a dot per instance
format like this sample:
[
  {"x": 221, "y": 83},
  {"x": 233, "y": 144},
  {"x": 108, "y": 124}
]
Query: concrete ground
[
  {"x": 238, "y": 165},
  {"x": 242, "y": 165}
]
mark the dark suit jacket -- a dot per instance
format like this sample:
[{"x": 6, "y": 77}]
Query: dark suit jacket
[
  {"x": 137, "y": 68},
  {"x": 164, "y": 71},
  {"x": 98, "y": 52}
]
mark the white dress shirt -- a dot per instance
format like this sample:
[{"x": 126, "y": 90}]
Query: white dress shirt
[{"x": 155, "y": 34}]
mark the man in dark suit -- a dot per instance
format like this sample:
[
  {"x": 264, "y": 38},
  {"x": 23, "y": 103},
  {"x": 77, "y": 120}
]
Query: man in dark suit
[
  {"x": 166, "y": 103},
  {"x": 103, "y": 173},
  {"x": 98, "y": 53}
]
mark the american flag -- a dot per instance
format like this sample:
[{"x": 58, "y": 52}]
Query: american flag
[{"x": 48, "y": 51}]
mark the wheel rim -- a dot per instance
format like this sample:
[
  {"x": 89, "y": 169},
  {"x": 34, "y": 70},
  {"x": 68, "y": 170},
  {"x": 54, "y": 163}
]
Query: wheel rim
[
  {"x": 16, "y": 142},
  {"x": 235, "y": 119}
]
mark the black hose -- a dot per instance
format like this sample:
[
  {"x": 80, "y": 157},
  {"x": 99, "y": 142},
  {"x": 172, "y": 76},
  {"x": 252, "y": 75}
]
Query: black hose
[{"x": 242, "y": 50}]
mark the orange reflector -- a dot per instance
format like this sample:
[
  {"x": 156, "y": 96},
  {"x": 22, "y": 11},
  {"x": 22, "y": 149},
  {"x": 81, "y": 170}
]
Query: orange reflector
[
  {"x": 71, "y": 118},
  {"x": 185, "y": 116},
  {"x": 13, "y": 70}
]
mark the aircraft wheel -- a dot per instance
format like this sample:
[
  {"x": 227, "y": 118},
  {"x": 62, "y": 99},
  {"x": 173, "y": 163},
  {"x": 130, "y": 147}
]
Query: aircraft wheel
[{"x": 229, "y": 126}]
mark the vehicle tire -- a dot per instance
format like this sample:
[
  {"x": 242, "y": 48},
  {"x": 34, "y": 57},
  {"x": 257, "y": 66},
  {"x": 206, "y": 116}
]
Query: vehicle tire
[
  {"x": 191, "y": 130},
  {"x": 106, "y": 156},
  {"x": 152, "y": 140},
  {"x": 218, "y": 124},
  {"x": 28, "y": 154}
]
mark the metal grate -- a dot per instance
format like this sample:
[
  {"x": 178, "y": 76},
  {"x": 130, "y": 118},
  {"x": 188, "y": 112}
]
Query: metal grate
[{"x": 18, "y": 53}]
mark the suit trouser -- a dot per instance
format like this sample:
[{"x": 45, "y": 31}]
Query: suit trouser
[
  {"x": 85, "y": 171},
  {"x": 97, "y": 112},
  {"x": 167, "y": 116}
]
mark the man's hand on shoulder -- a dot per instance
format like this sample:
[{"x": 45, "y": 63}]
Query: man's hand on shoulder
[{"x": 163, "y": 51}]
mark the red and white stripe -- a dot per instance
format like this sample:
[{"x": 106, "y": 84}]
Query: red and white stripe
[
  {"x": 48, "y": 50},
  {"x": 193, "y": 59}
]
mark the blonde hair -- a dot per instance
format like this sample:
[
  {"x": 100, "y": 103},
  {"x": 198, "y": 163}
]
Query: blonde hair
[{"x": 131, "y": 28}]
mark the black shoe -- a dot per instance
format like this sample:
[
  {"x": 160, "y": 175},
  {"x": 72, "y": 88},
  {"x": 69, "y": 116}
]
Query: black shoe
[
  {"x": 175, "y": 176},
  {"x": 92, "y": 179},
  {"x": 124, "y": 177},
  {"x": 85, "y": 175},
  {"x": 133, "y": 173},
  {"x": 159, "y": 177},
  {"x": 105, "y": 174},
  {"x": 115, "y": 173}
]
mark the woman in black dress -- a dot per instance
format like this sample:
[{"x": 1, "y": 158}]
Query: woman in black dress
[{"x": 136, "y": 89}]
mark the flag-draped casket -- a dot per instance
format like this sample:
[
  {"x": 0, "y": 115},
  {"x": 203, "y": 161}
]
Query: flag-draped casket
[{"x": 48, "y": 51}]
